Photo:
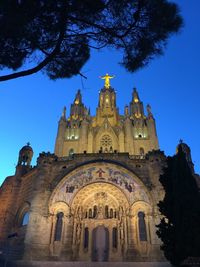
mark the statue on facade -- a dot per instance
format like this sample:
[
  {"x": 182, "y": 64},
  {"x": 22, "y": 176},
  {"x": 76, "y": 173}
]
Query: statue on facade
[{"x": 107, "y": 78}]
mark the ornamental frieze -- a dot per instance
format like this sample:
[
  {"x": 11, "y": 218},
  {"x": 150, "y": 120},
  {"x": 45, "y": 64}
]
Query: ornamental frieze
[{"x": 100, "y": 172}]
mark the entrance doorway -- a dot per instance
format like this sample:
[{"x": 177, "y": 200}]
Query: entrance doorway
[{"x": 100, "y": 244}]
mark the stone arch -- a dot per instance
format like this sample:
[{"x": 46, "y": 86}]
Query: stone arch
[
  {"x": 77, "y": 191},
  {"x": 144, "y": 242},
  {"x": 140, "y": 206},
  {"x": 24, "y": 209},
  {"x": 99, "y": 195},
  {"x": 59, "y": 211},
  {"x": 59, "y": 206},
  {"x": 66, "y": 186},
  {"x": 112, "y": 195},
  {"x": 21, "y": 224}
]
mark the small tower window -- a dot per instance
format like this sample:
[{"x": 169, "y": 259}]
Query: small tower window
[
  {"x": 142, "y": 226},
  {"x": 71, "y": 152}
]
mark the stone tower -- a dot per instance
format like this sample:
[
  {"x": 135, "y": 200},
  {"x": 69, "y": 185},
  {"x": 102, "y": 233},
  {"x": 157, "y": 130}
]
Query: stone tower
[{"x": 107, "y": 131}]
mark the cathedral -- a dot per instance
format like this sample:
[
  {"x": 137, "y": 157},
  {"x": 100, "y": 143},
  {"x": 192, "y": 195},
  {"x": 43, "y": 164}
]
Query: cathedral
[{"x": 93, "y": 199}]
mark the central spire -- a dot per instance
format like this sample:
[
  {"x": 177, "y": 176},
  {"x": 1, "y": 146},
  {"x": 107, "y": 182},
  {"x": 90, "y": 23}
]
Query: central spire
[{"x": 107, "y": 78}]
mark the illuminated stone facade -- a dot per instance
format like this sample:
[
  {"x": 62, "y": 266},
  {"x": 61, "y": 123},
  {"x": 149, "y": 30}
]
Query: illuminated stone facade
[
  {"x": 96, "y": 198},
  {"x": 108, "y": 131}
]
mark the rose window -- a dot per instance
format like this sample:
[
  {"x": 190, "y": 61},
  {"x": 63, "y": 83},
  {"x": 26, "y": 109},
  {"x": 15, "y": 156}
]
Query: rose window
[{"x": 106, "y": 143}]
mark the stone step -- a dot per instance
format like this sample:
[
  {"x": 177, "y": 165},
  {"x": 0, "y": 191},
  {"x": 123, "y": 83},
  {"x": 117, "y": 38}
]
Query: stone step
[{"x": 88, "y": 264}]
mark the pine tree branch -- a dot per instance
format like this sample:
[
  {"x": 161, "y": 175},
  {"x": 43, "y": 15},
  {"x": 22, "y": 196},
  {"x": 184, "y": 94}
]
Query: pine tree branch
[
  {"x": 49, "y": 57},
  {"x": 37, "y": 68}
]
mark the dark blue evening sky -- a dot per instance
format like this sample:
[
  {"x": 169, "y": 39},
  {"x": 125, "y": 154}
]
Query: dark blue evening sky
[{"x": 31, "y": 107}]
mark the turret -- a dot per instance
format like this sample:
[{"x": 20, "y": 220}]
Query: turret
[
  {"x": 143, "y": 129},
  {"x": 78, "y": 111},
  {"x": 25, "y": 155},
  {"x": 107, "y": 103},
  {"x": 136, "y": 106},
  {"x": 24, "y": 160}
]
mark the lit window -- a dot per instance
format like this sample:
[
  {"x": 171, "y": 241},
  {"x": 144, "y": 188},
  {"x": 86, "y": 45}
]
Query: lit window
[
  {"x": 25, "y": 219},
  {"x": 71, "y": 152}
]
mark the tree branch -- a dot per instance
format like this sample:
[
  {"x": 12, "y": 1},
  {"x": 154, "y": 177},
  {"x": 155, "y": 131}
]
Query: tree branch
[
  {"x": 40, "y": 66},
  {"x": 48, "y": 59}
]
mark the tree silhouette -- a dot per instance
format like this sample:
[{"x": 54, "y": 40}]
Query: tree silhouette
[
  {"x": 56, "y": 36},
  {"x": 179, "y": 228}
]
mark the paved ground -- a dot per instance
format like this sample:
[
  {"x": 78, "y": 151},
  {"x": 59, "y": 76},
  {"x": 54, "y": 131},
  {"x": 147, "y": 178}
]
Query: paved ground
[{"x": 90, "y": 264}]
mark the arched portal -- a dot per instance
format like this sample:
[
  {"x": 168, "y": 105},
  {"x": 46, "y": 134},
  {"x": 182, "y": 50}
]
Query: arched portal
[
  {"x": 100, "y": 194},
  {"x": 92, "y": 206},
  {"x": 100, "y": 243}
]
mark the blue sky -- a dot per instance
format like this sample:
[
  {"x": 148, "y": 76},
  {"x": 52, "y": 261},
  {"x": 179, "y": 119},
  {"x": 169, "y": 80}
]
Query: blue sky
[{"x": 31, "y": 107}]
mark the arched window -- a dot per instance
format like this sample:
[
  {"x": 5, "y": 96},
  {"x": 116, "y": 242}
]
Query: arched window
[
  {"x": 141, "y": 151},
  {"x": 25, "y": 219},
  {"x": 142, "y": 226},
  {"x": 106, "y": 212},
  {"x": 71, "y": 152},
  {"x": 59, "y": 225},
  {"x": 94, "y": 211},
  {"x": 114, "y": 237},
  {"x": 86, "y": 238},
  {"x": 111, "y": 213},
  {"x": 90, "y": 213}
]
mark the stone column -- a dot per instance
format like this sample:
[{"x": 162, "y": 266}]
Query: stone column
[
  {"x": 67, "y": 238},
  {"x": 131, "y": 233},
  {"x": 119, "y": 247},
  {"x": 52, "y": 234},
  {"x": 90, "y": 247},
  {"x": 110, "y": 247},
  {"x": 81, "y": 245}
]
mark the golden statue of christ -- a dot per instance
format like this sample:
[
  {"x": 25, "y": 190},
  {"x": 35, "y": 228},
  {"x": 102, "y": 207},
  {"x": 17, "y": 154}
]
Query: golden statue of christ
[{"x": 107, "y": 78}]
